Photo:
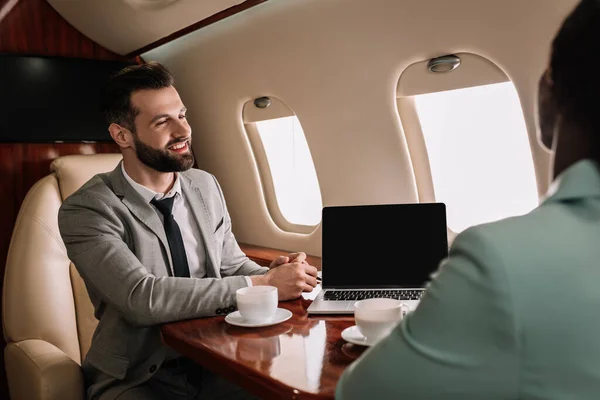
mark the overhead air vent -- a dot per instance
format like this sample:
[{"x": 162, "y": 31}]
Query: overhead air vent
[
  {"x": 149, "y": 4},
  {"x": 443, "y": 64},
  {"x": 262, "y": 102},
  {"x": 443, "y": 73}
]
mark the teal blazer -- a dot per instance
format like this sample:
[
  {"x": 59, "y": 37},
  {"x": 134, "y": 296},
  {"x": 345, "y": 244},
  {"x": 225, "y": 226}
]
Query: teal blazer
[{"x": 512, "y": 313}]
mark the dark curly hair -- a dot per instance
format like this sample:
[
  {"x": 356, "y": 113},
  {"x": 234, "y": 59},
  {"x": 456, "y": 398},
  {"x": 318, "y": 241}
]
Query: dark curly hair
[
  {"x": 115, "y": 98},
  {"x": 575, "y": 53}
]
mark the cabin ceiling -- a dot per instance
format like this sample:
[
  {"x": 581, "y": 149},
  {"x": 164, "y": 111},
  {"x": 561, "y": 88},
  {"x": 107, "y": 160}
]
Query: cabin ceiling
[{"x": 125, "y": 26}]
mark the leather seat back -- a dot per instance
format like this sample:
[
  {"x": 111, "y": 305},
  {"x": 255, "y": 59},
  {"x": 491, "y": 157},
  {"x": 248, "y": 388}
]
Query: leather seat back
[{"x": 44, "y": 297}]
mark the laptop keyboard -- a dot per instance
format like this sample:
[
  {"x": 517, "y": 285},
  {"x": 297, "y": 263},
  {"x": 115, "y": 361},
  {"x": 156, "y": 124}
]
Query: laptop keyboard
[{"x": 346, "y": 295}]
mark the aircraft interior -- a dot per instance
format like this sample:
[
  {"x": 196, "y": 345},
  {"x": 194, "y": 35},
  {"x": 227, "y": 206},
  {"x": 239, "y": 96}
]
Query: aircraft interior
[{"x": 294, "y": 106}]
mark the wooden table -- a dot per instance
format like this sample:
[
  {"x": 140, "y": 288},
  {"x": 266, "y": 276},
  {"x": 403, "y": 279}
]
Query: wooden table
[{"x": 301, "y": 358}]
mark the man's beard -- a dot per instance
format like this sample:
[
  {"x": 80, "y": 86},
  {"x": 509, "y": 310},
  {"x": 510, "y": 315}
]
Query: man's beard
[{"x": 160, "y": 159}]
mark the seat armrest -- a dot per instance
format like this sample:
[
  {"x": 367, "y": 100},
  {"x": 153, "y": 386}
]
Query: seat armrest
[{"x": 38, "y": 370}]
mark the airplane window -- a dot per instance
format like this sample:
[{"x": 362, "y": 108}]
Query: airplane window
[
  {"x": 292, "y": 170},
  {"x": 479, "y": 153}
]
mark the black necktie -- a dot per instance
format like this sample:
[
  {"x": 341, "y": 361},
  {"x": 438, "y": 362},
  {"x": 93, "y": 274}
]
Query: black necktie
[{"x": 180, "y": 264}]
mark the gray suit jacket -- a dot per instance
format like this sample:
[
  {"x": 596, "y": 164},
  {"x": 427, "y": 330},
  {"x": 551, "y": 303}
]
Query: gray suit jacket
[{"x": 118, "y": 244}]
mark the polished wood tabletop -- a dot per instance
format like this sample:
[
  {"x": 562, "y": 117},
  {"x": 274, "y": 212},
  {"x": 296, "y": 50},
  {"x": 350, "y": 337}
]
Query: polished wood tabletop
[{"x": 301, "y": 358}]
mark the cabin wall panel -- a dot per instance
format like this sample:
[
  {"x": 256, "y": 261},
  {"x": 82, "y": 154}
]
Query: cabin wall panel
[
  {"x": 337, "y": 65},
  {"x": 34, "y": 27}
]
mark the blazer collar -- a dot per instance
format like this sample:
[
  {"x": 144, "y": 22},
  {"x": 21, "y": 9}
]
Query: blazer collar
[
  {"x": 146, "y": 214},
  {"x": 149, "y": 194},
  {"x": 138, "y": 206},
  {"x": 580, "y": 180}
]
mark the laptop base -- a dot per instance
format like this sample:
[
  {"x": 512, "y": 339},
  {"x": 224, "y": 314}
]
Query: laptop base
[{"x": 324, "y": 307}]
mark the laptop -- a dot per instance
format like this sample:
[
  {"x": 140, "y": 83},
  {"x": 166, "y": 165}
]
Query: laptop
[{"x": 388, "y": 250}]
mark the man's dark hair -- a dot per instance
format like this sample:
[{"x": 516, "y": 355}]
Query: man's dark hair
[
  {"x": 575, "y": 55},
  {"x": 115, "y": 99}
]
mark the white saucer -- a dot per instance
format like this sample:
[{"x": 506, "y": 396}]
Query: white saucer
[
  {"x": 353, "y": 335},
  {"x": 235, "y": 318}
]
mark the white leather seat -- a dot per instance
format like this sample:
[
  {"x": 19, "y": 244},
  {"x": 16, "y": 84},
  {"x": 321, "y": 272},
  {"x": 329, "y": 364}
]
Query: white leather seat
[{"x": 48, "y": 318}]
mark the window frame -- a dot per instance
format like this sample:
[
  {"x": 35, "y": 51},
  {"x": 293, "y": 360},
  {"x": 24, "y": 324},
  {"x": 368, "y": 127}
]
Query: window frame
[
  {"x": 479, "y": 71},
  {"x": 268, "y": 186}
]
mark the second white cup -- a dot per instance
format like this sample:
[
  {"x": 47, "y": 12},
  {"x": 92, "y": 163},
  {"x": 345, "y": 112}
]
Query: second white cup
[
  {"x": 257, "y": 303},
  {"x": 375, "y": 318}
]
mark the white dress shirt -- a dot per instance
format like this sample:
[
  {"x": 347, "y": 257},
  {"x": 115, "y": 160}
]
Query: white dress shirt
[{"x": 190, "y": 232}]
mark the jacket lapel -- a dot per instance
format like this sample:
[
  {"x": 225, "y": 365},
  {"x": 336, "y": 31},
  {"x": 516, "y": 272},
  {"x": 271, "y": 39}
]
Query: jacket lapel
[
  {"x": 138, "y": 207},
  {"x": 193, "y": 195}
]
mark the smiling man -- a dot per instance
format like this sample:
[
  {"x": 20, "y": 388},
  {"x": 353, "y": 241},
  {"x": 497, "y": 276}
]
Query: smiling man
[{"x": 153, "y": 242}]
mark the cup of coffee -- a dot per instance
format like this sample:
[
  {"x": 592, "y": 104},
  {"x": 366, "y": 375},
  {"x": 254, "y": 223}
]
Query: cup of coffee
[
  {"x": 375, "y": 318},
  {"x": 257, "y": 303}
]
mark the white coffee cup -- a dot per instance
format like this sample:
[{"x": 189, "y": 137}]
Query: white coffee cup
[
  {"x": 257, "y": 303},
  {"x": 375, "y": 318}
]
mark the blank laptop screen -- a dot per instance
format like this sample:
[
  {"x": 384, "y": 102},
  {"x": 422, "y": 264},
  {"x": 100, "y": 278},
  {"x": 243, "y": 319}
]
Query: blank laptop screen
[{"x": 382, "y": 246}]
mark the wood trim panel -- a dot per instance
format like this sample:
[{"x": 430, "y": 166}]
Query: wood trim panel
[
  {"x": 198, "y": 25},
  {"x": 34, "y": 27},
  {"x": 264, "y": 255}
]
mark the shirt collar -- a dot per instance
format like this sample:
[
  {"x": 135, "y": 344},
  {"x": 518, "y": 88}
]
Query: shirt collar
[
  {"x": 580, "y": 180},
  {"x": 149, "y": 194}
]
